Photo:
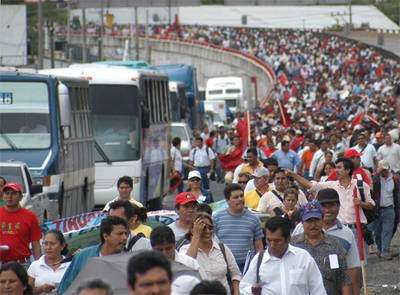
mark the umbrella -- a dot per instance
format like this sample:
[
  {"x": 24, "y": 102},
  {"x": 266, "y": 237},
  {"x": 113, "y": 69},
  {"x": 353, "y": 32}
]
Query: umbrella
[{"x": 112, "y": 270}]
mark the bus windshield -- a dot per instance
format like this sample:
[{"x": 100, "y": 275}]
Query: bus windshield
[
  {"x": 115, "y": 113},
  {"x": 24, "y": 115}
]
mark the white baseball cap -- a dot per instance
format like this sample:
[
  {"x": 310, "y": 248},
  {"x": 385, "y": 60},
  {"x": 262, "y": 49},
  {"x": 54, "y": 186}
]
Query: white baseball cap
[{"x": 194, "y": 174}]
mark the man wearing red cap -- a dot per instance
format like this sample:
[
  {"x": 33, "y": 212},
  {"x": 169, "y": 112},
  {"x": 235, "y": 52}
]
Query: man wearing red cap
[
  {"x": 185, "y": 206},
  {"x": 358, "y": 172},
  {"x": 19, "y": 227}
]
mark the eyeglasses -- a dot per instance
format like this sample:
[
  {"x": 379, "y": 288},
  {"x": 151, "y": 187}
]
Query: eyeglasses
[
  {"x": 243, "y": 182},
  {"x": 195, "y": 179}
]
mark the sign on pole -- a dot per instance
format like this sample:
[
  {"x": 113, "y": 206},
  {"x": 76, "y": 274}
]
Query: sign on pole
[{"x": 135, "y": 3}]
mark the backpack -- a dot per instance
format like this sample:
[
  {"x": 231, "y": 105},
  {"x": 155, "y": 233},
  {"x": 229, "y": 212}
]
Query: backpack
[
  {"x": 133, "y": 241},
  {"x": 259, "y": 260},
  {"x": 371, "y": 215}
]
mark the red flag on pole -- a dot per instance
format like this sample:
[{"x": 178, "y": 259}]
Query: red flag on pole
[
  {"x": 230, "y": 161},
  {"x": 360, "y": 242},
  {"x": 357, "y": 119},
  {"x": 323, "y": 46},
  {"x": 283, "y": 115},
  {"x": 283, "y": 79}
]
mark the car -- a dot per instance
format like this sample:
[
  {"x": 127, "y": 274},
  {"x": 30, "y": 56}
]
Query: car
[
  {"x": 183, "y": 131},
  {"x": 33, "y": 197}
]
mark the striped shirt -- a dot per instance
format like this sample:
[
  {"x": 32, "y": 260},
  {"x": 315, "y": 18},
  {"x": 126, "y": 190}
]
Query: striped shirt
[{"x": 238, "y": 232}]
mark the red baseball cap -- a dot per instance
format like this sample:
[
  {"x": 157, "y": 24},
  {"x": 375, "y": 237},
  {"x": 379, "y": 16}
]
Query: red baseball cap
[
  {"x": 352, "y": 153},
  {"x": 12, "y": 185},
  {"x": 184, "y": 198}
]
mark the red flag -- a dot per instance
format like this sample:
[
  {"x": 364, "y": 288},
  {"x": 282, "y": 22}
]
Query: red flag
[
  {"x": 357, "y": 119},
  {"x": 230, "y": 161},
  {"x": 283, "y": 79},
  {"x": 176, "y": 22},
  {"x": 283, "y": 115},
  {"x": 324, "y": 44}
]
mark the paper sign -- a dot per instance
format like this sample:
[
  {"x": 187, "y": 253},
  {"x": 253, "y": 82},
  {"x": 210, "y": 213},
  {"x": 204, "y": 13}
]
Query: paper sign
[{"x": 333, "y": 261}]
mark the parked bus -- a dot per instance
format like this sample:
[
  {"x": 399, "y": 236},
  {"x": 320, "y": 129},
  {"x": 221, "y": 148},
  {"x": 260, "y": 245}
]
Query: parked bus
[
  {"x": 131, "y": 113},
  {"x": 46, "y": 123}
]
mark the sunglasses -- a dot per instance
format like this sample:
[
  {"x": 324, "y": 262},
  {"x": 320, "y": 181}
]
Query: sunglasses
[
  {"x": 243, "y": 182},
  {"x": 195, "y": 179}
]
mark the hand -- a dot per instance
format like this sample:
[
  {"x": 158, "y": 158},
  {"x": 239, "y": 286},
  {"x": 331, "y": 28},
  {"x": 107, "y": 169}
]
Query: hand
[
  {"x": 198, "y": 227},
  {"x": 46, "y": 288},
  {"x": 357, "y": 201},
  {"x": 256, "y": 290},
  {"x": 212, "y": 170},
  {"x": 288, "y": 172}
]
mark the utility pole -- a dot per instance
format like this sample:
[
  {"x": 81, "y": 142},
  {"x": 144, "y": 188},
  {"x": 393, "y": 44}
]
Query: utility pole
[
  {"x": 40, "y": 32},
  {"x": 101, "y": 33},
  {"x": 137, "y": 33},
  {"x": 84, "y": 39},
  {"x": 169, "y": 12},
  {"x": 350, "y": 16}
]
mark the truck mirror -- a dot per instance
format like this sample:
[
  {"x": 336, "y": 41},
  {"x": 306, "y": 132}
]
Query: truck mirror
[
  {"x": 36, "y": 189},
  {"x": 145, "y": 118},
  {"x": 65, "y": 109}
]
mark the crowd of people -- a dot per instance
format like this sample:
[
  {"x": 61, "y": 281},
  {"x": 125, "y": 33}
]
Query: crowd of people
[{"x": 327, "y": 150}]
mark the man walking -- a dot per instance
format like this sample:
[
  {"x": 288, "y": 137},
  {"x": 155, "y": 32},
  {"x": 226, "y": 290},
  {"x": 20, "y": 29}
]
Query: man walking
[
  {"x": 203, "y": 160},
  {"x": 386, "y": 195},
  {"x": 114, "y": 234},
  {"x": 237, "y": 227},
  {"x": 125, "y": 187},
  {"x": 19, "y": 228},
  {"x": 261, "y": 179},
  {"x": 326, "y": 250},
  {"x": 185, "y": 206},
  {"x": 283, "y": 269}
]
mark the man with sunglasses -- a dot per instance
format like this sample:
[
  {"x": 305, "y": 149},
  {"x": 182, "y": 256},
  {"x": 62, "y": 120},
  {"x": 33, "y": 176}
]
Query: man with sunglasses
[
  {"x": 185, "y": 206},
  {"x": 202, "y": 195},
  {"x": 19, "y": 227}
]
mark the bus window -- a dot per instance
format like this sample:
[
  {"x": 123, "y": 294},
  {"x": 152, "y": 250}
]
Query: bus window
[
  {"x": 24, "y": 115},
  {"x": 115, "y": 115},
  {"x": 231, "y": 91}
]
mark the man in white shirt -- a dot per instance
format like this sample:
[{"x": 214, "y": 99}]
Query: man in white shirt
[
  {"x": 283, "y": 269},
  {"x": 368, "y": 157},
  {"x": 185, "y": 206},
  {"x": 162, "y": 239},
  {"x": 391, "y": 153},
  {"x": 203, "y": 160}
]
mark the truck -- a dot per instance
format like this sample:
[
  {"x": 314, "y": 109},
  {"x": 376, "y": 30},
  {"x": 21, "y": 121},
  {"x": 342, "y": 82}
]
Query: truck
[{"x": 236, "y": 91}]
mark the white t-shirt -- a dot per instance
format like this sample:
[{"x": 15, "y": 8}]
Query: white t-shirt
[
  {"x": 176, "y": 156},
  {"x": 44, "y": 274},
  {"x": 179, "y": 233}
]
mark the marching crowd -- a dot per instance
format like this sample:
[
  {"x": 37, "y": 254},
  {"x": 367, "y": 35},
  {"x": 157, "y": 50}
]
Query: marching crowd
[{"x": 320, "y": 162}]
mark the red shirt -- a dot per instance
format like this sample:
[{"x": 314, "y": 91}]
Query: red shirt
[
  {"x": 269, "y": 152},
  {"x": 18, "y": 230},
  {"x": 356, "y": 171}
]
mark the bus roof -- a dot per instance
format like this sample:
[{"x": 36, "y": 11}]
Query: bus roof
[{"x": 103, "y": 74}]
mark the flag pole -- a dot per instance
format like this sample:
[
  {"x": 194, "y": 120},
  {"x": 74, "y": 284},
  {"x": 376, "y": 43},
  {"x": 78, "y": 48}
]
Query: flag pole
[
  {"x": 360, "y": 244},
  {"x": 248, "y": 127},
  {"x": 282, "y": 113}
]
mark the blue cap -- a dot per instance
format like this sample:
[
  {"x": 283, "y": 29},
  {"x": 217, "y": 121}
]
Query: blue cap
[{"x": 312, "y": 209}]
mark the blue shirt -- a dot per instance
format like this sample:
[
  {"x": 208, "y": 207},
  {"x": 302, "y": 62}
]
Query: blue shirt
[
  {"x": 78, "y": 262},
  {"x": 289, "y": 161},
  {"x": 238, "y": 232}
]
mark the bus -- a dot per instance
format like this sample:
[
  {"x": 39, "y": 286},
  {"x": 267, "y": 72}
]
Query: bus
[
  {"x": 131, "y": 114},
  {"x": 46, "y": 123}
]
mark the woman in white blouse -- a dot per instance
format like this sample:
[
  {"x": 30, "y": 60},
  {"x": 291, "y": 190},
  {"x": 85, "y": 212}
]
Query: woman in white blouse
[
  {"x": 45, "y": 274},
  {"x": 209, "y": 255}
]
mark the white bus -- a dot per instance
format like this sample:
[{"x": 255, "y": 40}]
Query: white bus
[
  {"x": 131, "y": 113},
  {"x": 234, "y": 90}
]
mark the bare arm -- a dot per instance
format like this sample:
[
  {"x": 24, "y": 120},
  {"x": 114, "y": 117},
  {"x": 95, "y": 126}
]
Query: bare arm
[
  {"x": 355, "y": 280},
  {"x": 235, "y": 285},
  {"x": 195, "y": 240},
  {"x": 258, "y": 246},
  {"x": 304, "y": 182},
  {"x": 37, "y": 250},
  {"x": 346, "y": 290}
]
